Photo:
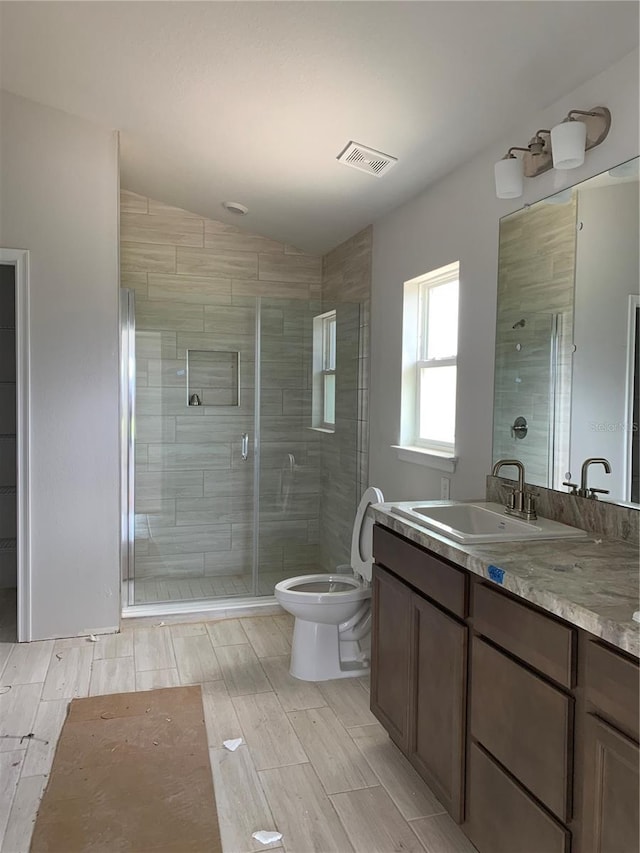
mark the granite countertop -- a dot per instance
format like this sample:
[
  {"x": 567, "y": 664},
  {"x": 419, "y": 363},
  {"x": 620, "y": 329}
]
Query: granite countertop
[{"x": 592, "y": 583}]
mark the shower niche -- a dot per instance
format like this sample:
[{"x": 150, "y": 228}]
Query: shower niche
[{"x": 213, "y": 378}]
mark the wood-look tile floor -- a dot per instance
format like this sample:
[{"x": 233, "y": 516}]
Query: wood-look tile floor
[{"x": 315, "y": 764}]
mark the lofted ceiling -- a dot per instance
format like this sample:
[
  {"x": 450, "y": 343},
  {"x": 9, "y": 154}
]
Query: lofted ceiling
[{"x": 253, "y": 101}]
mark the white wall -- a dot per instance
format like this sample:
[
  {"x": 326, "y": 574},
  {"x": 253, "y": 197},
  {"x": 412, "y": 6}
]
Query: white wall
[
  {"x": 59, "y": 192},
  {"x": 457, "y": 219},
  {"x": 606, "y": 275}
]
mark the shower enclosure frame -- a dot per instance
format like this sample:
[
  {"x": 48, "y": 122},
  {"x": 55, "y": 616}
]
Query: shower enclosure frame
[
  {"x": 127, "y": 439},
  {"x": 219, "y": 604}
]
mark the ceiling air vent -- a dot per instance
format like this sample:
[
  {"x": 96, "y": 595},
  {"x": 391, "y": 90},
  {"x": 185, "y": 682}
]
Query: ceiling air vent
[{"x": 366, "y": 159}]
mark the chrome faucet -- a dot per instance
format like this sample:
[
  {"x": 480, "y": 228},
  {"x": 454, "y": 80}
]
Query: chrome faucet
[
  {"x": 518, "y": 503},
  {"x": 584, "y": 491}
]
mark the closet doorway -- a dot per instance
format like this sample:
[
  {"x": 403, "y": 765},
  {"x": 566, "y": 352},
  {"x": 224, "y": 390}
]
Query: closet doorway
[{"x": 15, "y": 611}]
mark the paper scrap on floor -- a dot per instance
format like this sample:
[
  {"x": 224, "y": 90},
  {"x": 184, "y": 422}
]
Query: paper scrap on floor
[{"x": 265, "y": 837}]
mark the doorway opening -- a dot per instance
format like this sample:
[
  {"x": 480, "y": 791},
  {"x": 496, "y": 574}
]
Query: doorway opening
[
  {"x": 15, "y": 607},
  {"x": 8, "y": 478}
]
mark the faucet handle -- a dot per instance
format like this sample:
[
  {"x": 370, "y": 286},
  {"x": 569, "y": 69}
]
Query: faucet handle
[
  {"x": 595, "y": 492},
  {"x": 572, "y": 486},
  {"x": 530, "y": 506}
]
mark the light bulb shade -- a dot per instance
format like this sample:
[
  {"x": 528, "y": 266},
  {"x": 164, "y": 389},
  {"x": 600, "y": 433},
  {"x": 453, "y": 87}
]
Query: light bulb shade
[
  {"x": 568, "y": 141},
  {"x": 509, "y": 175}
]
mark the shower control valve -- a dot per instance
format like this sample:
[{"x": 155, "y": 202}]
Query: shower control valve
[{"x": 519, "y": 428}]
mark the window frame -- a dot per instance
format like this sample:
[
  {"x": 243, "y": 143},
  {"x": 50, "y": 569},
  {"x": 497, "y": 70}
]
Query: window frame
[
  {"x": 412, "y": 446},
  {"x": 325, "y": 358},
  {"x": 425, "y": 288}
]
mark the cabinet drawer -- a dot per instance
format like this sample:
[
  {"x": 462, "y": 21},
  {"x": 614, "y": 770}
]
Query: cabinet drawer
[
  {"x": 612, "y": 685},
  {"x": 501, "y": 818},
  {"x": 524, "y": 722},
  {"x": 542, "y": 642},
  {"x": 427, "y": 573}
]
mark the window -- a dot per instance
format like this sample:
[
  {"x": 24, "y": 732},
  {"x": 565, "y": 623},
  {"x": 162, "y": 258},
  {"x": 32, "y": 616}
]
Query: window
[
  {"x": 324, "y": 371},
  {"x": 437, "y": 363},
  {"x": 429, "y": 369}
]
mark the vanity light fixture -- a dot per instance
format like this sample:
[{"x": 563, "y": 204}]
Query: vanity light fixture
[
  {"x": 562, "y": 147},
  {"x": 509, "y": 175},
  {"x": 568, "y": 142}
]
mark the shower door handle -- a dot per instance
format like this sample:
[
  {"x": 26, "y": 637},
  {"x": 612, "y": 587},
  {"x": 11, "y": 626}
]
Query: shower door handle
[{"x": 245, "y": 446}]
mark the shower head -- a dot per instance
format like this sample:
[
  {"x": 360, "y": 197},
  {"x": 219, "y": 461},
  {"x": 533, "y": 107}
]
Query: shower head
[{"x": 520, "y": 324}]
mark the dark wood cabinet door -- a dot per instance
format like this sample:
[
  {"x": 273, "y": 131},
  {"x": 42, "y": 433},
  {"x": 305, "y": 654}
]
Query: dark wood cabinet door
[
  {"x": 390, "y": 654},
  {"x": 438, "y": 702},
  {"x": 611, "y": 790}
]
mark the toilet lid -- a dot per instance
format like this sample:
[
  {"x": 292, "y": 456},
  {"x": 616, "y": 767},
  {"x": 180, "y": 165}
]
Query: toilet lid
[{"x": 362, "y": 539}]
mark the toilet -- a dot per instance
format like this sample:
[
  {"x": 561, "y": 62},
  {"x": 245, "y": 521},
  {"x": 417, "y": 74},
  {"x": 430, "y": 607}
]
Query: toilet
[{"x": 332, "y": 631}]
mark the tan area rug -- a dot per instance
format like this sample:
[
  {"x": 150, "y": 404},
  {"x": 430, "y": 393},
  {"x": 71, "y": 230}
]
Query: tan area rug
[{"x": 131, "y": 773}]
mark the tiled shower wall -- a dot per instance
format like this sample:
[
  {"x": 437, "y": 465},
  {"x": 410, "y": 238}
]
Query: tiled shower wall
[
  {"x": 535, "y": 284},
  {"x": 195, "y": 283},
  {"x": 346, "y": 286}
]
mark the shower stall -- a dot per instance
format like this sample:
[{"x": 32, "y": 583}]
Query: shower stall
[{"x": 227, "y": 456}]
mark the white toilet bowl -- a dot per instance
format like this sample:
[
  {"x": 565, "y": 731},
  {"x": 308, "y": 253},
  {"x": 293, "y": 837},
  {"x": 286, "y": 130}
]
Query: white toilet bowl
[{"x": 331, "y": 636}]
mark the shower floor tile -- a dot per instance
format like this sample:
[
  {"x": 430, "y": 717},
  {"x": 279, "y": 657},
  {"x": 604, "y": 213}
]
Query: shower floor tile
[{"x": 154, "y": 590}]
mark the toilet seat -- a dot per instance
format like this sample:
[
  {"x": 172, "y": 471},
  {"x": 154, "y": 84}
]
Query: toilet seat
[
  {"x": 290, "y": 590},
  {"x": 362, "y": 536},
  {"x": 293, "y": 590}
]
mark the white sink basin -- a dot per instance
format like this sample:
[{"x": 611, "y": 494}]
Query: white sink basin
[{"x": 482, "y": 522}]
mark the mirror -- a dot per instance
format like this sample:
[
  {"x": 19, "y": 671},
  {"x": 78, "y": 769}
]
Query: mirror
[{"x": 567, "y": 351}]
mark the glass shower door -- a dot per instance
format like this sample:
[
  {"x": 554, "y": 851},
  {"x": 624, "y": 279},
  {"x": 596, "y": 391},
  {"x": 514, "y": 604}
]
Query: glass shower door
[
  {"x": 308, "y": 457},
  {"x": 194, "y": 447},
  {"x": 288, "y": 511}
]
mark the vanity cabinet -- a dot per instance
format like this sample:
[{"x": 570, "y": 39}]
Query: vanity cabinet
[
  {"x": 611, "y": 757},
  {"x": 501, "y": 817},
  {"x": 391, "y": 658},
  {"x": 542, "y": 642},
  {"x": 525, "y": 727},
  {"x": 612, "y": 686},
  {"x": 521, "y": 727},
  {"x": 438, "y": 687},
  {"x": 419, "y": 661},
  {"x": 611, "y": 790},
  {"x": 524, "y": 723}
]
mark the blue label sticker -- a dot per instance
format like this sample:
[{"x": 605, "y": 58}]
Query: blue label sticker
[{"x": 496, "y": 574}]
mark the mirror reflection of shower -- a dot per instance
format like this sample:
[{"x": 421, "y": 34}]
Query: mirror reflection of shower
[
  {"x": 576, "y": 255},
  {"x": 526, "y": 389}
]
